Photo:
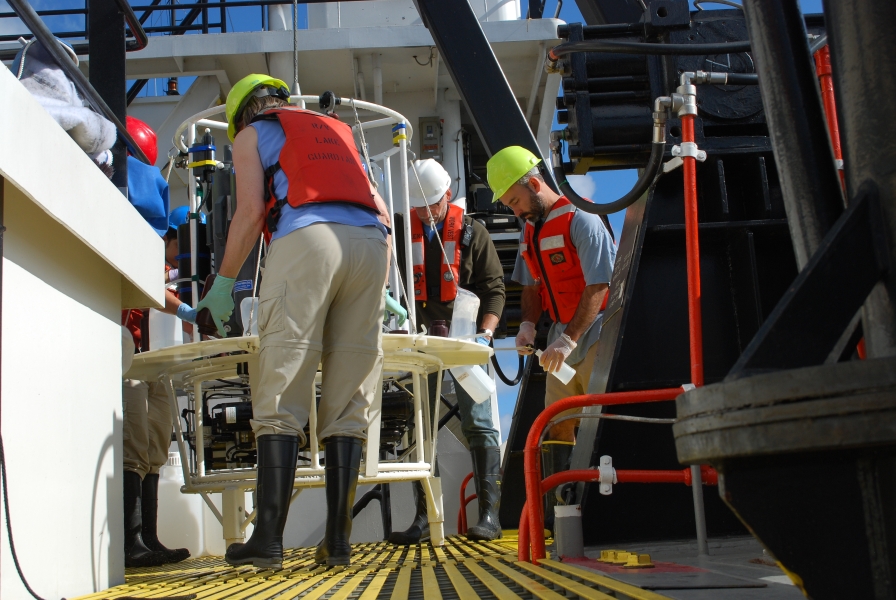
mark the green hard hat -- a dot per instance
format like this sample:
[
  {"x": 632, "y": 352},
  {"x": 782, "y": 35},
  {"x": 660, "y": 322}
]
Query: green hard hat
[
  {"x": 507, "y": 166},
  {"x": 246, "y": 88}
]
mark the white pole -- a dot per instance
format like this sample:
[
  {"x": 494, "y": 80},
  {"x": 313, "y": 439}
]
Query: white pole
[
  {"x": 394, "y": 281},
  {"x": 409, "y": 262}
]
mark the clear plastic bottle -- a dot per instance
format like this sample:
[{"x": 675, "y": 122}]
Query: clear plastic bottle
[{"x": 564, "y": 374}]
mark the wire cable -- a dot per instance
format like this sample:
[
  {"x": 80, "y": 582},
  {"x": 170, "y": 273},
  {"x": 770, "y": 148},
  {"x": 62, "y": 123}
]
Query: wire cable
[
  {"x": 12, "y": 546},
  {"x": 295, "y": 46},
  {"x": 432, "y": 225},
  {"x": 604, "y": 416}
]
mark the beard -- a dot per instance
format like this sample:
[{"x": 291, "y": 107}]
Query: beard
[{"x": 536, "y": 208}]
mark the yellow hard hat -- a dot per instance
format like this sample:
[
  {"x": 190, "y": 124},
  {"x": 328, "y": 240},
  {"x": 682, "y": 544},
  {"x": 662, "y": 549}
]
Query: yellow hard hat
[
  {"x": 507, "y": 166},
  {"x": 246, "y": 88}
]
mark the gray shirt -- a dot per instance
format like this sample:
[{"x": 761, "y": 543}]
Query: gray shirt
[{"x": 597, "y": 253}]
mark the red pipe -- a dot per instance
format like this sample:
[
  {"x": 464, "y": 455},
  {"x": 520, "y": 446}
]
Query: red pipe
[
  {"x": 532, "y": 458},
  {"x": 695, "y": 318},
  {"x": 522, "y": 543},
  {"x": 825, "y": 79},
  {"x": 462, "y": 513},
  {"x": 708, "y": 476}
]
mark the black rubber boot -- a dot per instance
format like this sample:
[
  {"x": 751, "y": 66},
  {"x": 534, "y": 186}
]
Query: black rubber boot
[
  {"x": 277, "y": 456},
  {"x": 555, "y": 458},
  {"x": 487, "y": 475},
  {"x": 150, "y": 502},
  {"x": 419, "y": 529},
  {"x": 136, "y": 554},
  {"x": 343, "y": 461}
]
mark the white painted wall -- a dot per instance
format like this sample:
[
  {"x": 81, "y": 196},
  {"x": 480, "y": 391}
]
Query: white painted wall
[{"x": 75, "y": 253}]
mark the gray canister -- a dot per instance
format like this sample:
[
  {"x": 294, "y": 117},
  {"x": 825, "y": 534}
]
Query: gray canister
[{"x": 568, "y": 541}]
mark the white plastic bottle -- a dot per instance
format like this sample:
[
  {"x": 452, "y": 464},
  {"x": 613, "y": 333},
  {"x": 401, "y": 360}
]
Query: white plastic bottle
[
  {"x": 564, "y": 374},
  {"x": 475, "y": 381}
]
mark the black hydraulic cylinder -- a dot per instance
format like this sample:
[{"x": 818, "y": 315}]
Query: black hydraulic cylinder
[
  {"x": 866, "y": 101},
  {"x": 105, "y": 22},
  {"x": 796, "y": 122},
  {"x": 184, "y": 266}
]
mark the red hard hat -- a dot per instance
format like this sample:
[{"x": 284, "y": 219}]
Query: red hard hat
[{"x": 145, "y": 138}]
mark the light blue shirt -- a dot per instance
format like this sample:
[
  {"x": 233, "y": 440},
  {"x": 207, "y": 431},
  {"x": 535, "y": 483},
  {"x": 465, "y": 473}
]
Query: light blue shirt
[
  {"x": 270, "y": 141},
  {"x": 597, "y": 254}
]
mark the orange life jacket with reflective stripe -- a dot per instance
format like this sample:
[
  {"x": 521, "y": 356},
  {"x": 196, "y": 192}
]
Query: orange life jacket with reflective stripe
[
  {"x": 452, "y": 232},
  {"x": 553, "y": 261},
  {"x": 320, "y": 162}
]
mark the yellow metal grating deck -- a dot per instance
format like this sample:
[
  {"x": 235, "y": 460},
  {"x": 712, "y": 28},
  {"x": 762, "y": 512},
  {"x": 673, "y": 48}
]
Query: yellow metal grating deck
[{"x": 459, "y": 569}]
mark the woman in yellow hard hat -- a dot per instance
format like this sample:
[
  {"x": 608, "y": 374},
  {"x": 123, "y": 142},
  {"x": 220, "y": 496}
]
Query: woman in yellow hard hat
[{"x": 320, "y": 302}]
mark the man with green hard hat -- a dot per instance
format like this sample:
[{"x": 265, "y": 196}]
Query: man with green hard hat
[
  {"x": 300, "y": 181},
  {"x": 565, "y": 264}
]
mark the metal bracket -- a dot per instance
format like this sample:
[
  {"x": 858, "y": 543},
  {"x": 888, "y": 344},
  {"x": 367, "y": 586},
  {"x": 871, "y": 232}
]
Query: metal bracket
[
  {"x": 607, "y": 475},
  {"x": 679, "y": 152},
  {"x": 689, "y": 149}
]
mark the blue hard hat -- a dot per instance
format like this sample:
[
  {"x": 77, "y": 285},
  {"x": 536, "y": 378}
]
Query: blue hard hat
[{"x": 180, "y": 215}]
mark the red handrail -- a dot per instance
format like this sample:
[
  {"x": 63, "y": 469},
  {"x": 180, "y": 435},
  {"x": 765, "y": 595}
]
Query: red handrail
[
  {"x": 462, "y": 512},
  {"x": 535, "y": 517},
  {"x": 708, "y": 476},
  {"x": 532, "y": 458}
]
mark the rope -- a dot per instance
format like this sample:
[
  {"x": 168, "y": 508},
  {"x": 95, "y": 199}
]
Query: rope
[
  {"x": 248, "y": 326},
  {"x": 370, "y": 176},
  {"x": 295, "y": 46},
  {"x": 432, "y": 223}
]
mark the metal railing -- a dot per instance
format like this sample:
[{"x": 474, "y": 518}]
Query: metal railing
[
  {"x": 198, "y": 18},
  {"x": 135, "y": 29}
]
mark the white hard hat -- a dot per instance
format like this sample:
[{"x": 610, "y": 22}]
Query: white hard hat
[{"x": 434, "y": 179}]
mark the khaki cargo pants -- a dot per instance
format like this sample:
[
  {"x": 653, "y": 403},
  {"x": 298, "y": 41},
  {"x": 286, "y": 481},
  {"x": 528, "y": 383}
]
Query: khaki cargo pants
[
  {"x": 146, "y": 427},
  {"x": 321, "y": 303}
]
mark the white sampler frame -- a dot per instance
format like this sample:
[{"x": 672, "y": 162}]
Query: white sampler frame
[
  {"x": 193, "y": 364},
  {"x": 389, "y": 118}
]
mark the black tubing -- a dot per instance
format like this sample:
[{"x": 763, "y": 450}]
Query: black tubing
[
  {"x": 654, "y": 166},
  {"x": 645, "y": 48},
  {"x": 502, "y": 377},
  {"x": 742, "y": 79}
]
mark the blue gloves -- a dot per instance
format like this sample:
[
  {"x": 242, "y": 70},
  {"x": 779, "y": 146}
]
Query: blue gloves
[
  {"x": 482, "y": 340},
  {"x": 186, "y": 313},
  {"x": 395, "y": 308},
  {"x": 219, "y": 302}
]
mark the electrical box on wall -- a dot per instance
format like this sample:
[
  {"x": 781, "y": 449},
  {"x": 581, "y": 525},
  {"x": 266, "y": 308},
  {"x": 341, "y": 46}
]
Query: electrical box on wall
[{"x": 430, "y": 132}]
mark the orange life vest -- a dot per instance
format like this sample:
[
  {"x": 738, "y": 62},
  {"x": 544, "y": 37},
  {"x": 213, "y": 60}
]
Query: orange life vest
[
  {"x": 452, "y": 231},
  {"x": 320, "y": 162},
  {"x": 553, "y": 261}
]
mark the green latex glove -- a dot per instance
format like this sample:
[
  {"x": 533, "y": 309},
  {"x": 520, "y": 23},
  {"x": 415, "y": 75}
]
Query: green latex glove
[
  {"x": 395, "y": 308},
  {"x": 219, "y": 302}
]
